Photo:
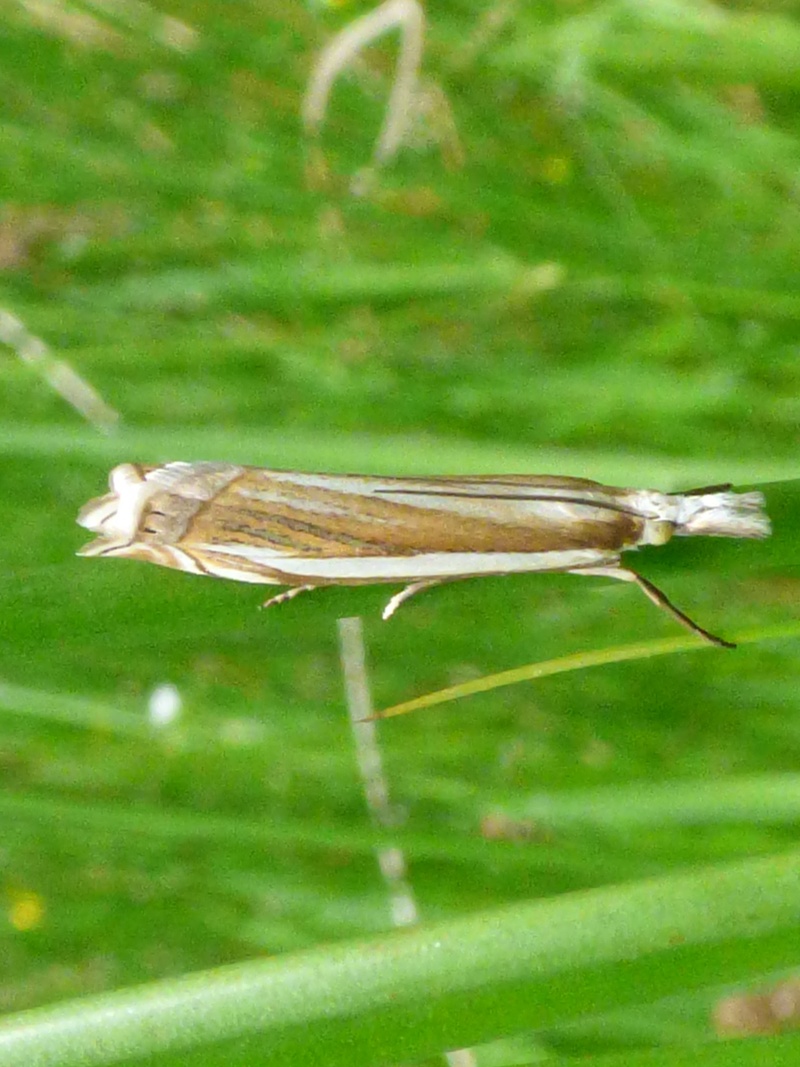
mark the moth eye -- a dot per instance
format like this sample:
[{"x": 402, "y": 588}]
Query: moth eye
[
  {"x": 123, "y": 477},
  {"x": 152, "y": 522},
  {"x": 660, "y": 531}
]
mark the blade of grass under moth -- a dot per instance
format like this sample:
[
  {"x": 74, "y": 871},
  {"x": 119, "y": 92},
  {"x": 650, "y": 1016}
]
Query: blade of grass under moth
[{"x": 578, "y": 661}]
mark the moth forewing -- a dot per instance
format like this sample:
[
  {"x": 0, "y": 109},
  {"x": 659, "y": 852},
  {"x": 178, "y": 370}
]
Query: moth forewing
[{"x": 308, "y": 530}]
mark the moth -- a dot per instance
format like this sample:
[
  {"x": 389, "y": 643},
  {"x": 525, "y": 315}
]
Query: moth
[{"x": 309, "y": 530}]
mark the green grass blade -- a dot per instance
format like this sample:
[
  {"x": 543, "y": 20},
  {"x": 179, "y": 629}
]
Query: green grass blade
[{"x": 411, "y": 994}]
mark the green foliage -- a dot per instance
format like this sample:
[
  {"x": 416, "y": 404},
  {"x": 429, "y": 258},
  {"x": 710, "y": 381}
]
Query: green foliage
[{"x": 598, "y": 279}]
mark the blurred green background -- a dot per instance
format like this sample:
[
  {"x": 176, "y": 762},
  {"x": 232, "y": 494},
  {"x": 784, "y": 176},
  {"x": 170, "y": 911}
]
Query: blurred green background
[{"x": 584, "y": 260}]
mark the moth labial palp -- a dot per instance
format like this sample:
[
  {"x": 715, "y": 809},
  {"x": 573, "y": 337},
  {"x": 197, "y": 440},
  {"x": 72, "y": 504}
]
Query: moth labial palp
[{"x": 308, "y": 530}]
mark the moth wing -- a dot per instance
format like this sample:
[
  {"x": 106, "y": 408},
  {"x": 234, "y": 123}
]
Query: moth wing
[{"x": 328, "y": 516}]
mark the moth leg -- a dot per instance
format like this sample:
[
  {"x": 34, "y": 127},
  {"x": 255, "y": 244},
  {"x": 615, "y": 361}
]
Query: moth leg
[
  {"x": 404, "y": 594},
  {"x": 653, "y": 593},
  {"x": 287, "y": 594}
]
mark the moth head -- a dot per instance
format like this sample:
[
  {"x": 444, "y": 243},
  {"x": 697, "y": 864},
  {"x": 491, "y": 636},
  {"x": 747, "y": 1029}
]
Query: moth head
[{"x": 116, "y": 516}]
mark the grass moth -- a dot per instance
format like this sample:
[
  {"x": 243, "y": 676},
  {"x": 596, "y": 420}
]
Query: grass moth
[{"x": 308, "y": 530}]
